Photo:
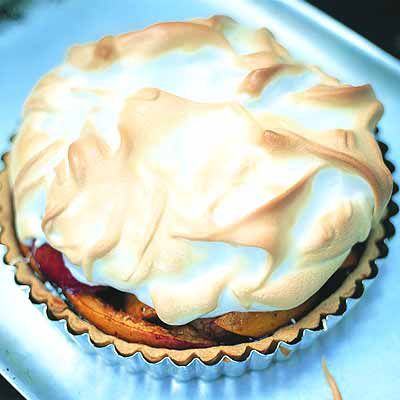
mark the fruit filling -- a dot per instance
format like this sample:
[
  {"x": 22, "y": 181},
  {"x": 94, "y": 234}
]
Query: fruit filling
[{"x": 124, "y": 316}]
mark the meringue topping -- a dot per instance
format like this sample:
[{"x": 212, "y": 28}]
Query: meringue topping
[{"x": 197, "y": 165}]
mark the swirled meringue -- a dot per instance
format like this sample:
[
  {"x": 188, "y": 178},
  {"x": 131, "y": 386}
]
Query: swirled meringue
[{"x": 197, "y": 165}]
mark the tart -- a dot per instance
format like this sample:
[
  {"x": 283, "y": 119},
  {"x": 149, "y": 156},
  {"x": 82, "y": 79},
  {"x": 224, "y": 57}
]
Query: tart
[{"x": 191, "y": 187}]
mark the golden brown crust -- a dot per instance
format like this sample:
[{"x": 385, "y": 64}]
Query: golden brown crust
[{"x": 60, "y": 310}]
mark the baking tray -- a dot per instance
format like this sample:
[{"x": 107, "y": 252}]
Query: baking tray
[{"x": 43, "y": 363}]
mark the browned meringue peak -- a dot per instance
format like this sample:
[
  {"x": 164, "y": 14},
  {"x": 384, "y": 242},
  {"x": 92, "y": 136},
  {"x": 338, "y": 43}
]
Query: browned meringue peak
[
  {"x": 197, "y": 165},
  {"x": 155, "y": 40},
  {"x": 258, "y": 78},
  {"x": 353, "y": 148}
]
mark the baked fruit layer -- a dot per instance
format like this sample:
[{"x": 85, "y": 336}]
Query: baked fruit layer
[{"x": 124, "y": 316}]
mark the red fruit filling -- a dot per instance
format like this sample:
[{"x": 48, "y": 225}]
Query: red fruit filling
[{"x": 52, "y": 266}]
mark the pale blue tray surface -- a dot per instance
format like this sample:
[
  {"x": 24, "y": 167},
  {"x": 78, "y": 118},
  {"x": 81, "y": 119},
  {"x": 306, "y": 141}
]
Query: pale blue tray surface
[{"x": 361, "y": 352}]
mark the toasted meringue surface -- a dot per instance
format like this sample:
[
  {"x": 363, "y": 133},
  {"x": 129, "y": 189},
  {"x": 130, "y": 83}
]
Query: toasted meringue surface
[{"x": 197, "y": 165}]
